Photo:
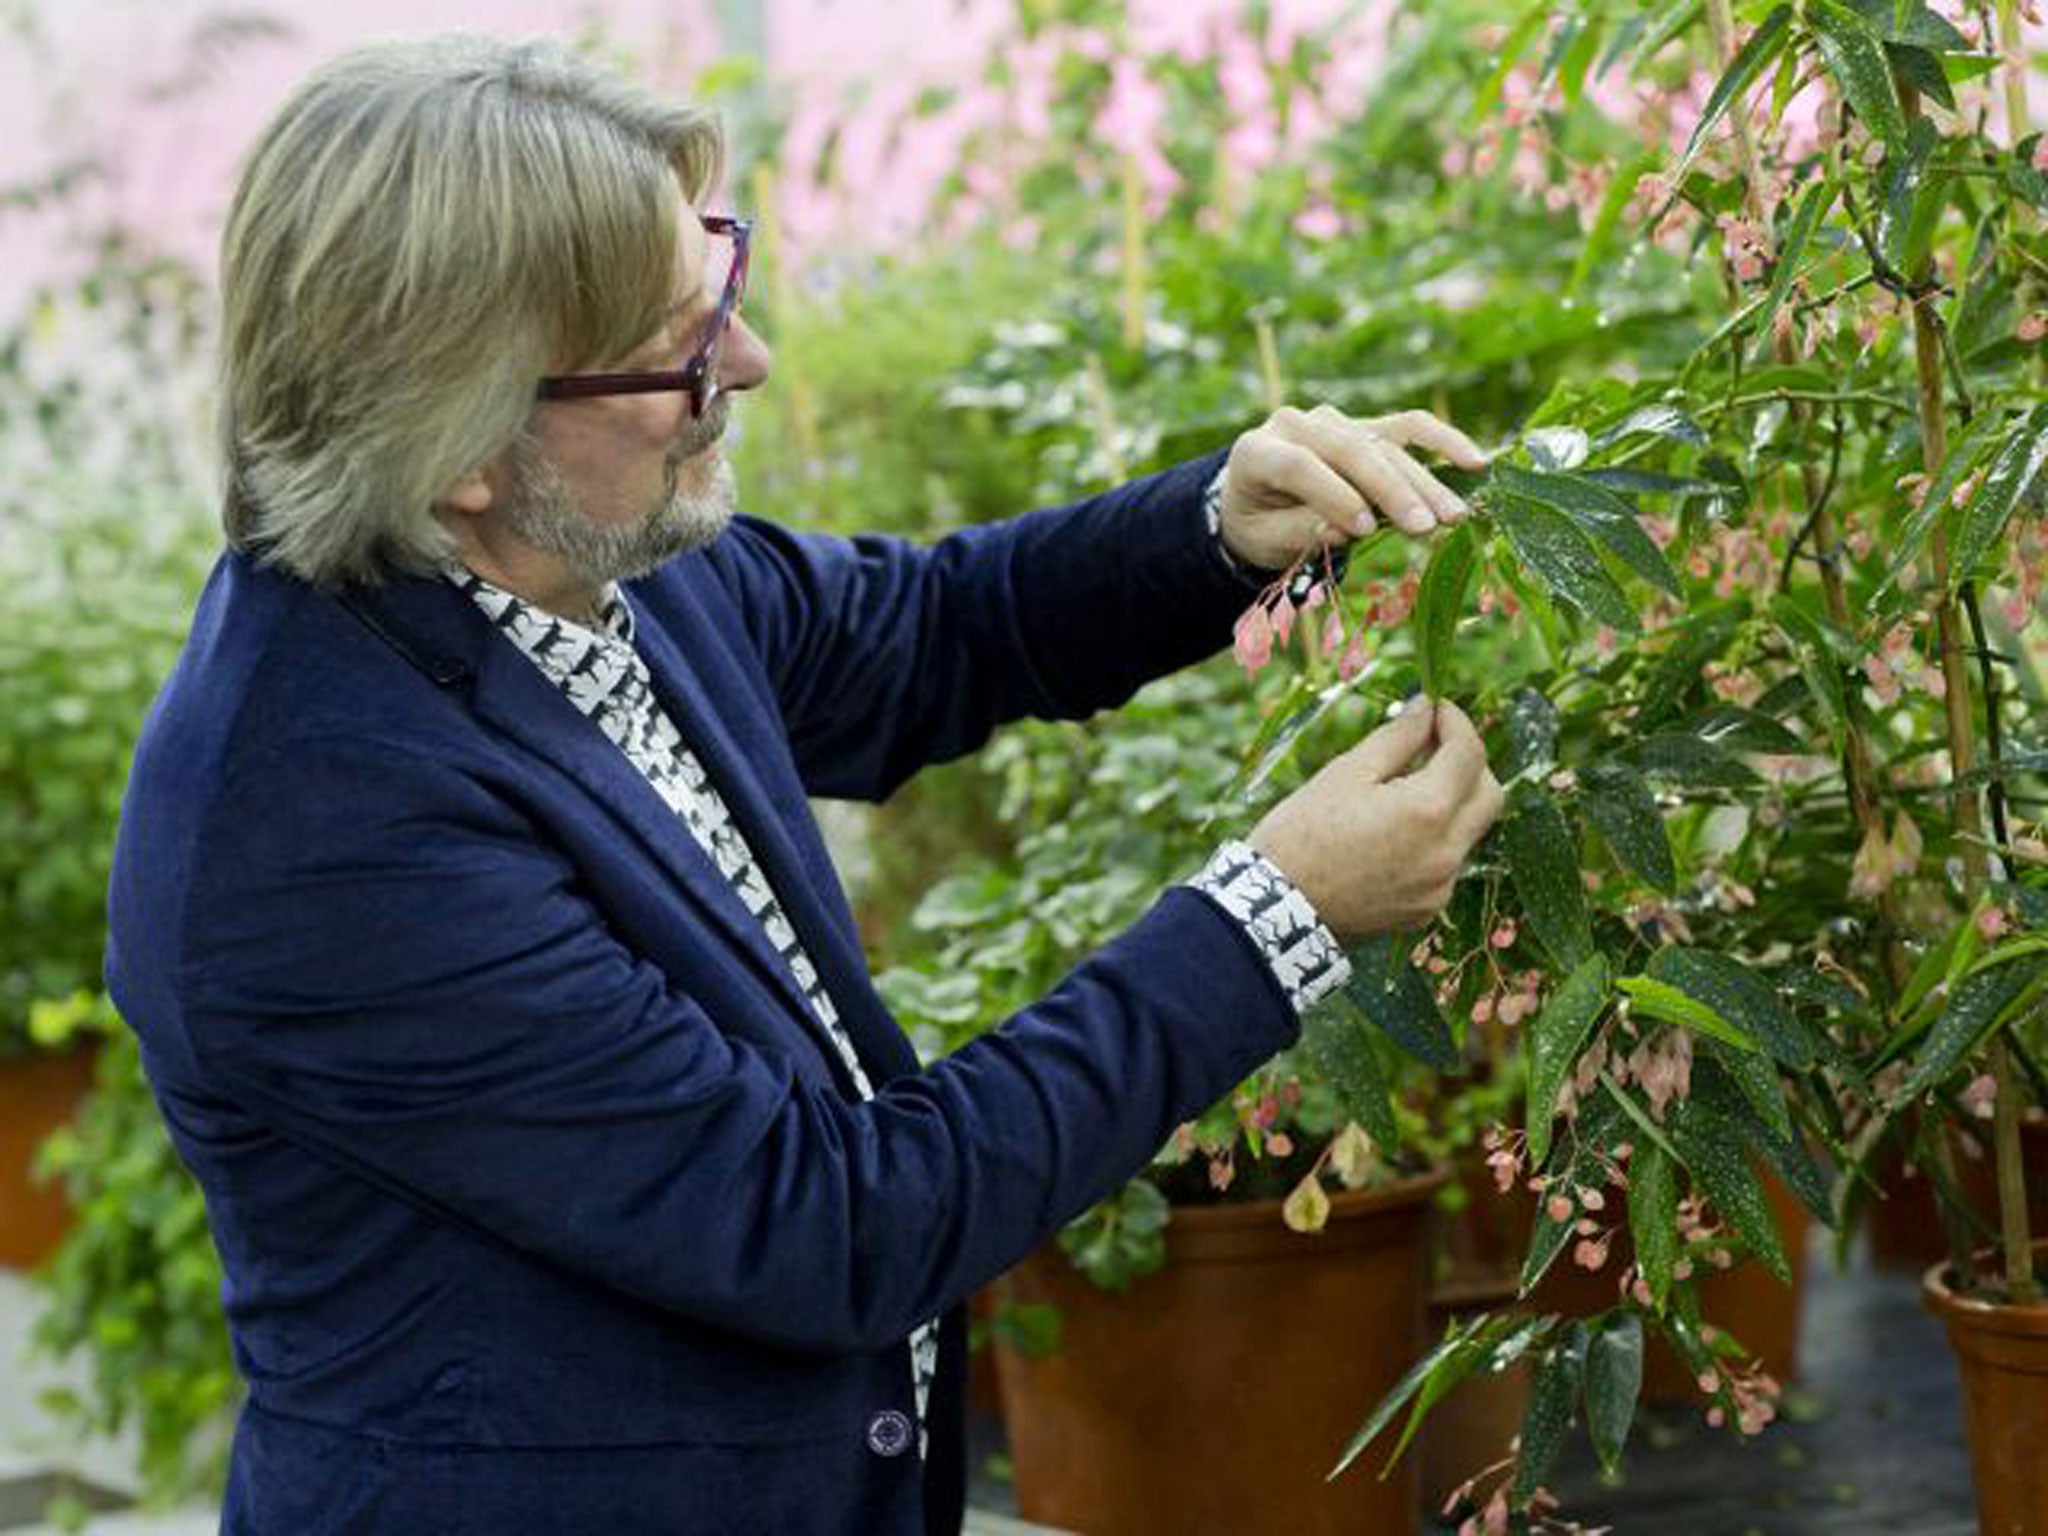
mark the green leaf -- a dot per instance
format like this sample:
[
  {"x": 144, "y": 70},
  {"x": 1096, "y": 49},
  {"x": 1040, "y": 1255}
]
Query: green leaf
[
  {"x": 1614, "y": 1378},
  {"x": 1666, "y": 421},
  {"x": 1685, "y": 759},
  {"x": 1737, "y": 994},
  {"x": 1735, "y": 729},
  {"x": 1720, "y": 1166},
  {"x": 1913, "y": 201},
  {"x": 1552, "y": 546},
  {"x": 1750, "y": 62},
  {"x": 1511, "y": 51},
  {"x": 1922, "y": 69},
  {"x": 1910, "y": 21},
  {"x": 1856, "y": 58},
  {"x": 1759, "y": 1094},
  {"x": 1653, "y": 1217},
  {"x": 1659, "y": 1000},
  {"x": 1546, "y": 1241},
  {"x": 1976, "y": 1006},
  {"x": 1339, "y": 1041},
  {"x": 1621, "y": 192},
  {"x": 2011, "y": 476},
  {"x": 1532, "y": 725},
  {"x": 1543, "y": 858},
  {"x": 1463, "y": 1346},
  {"x": 1818, "y": 663},
  {"x": 1440, "y": 604},
  {"x": 1548, "y": 1418},
  {"x": 1398, "y": 998},
  {"x": 1621, "y": 805},
  {"x": 1716, "y": 1087},
  {"x": 1553, "y": 1042},
  {"x": 1805, "y": 219},
  {"x": 1964, "y": 455},
  {"x": 1600, "y": 514},
  {"x": 1672, "y": 20}
]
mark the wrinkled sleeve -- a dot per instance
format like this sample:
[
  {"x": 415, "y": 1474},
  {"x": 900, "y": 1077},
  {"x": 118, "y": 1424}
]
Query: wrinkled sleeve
[{"x": 887, "y": 656}]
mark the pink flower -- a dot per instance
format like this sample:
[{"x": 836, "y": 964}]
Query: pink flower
[
  {"x": 1320, "y": 222},
  {"x": 1513, "y": 1008},
  {"x": 1981, "y": 1097},
  {"x": 1254, "y": 641},
  {"x": 2041, "y": 153},
  {"x": 1559, "y": 1208},
  {"x": 1991, "y": 922},
  {"x": 1503, "y": 936},
  {"x": 1283, "y": 619},
  {"x": 2032, "y": 327},
  {"x": 1352, "y": 662},
  {"x": 1333, "y": 632}
]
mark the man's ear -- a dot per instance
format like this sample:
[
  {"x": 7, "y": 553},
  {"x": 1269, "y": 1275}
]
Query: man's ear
[{"x": 472, "y": 493}]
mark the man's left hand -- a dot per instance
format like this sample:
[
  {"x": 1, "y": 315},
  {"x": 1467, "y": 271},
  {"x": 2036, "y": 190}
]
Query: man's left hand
[{"x": 1312, "y": 478}]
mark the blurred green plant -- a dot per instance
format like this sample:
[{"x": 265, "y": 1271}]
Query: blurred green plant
[{"x": 136, "y": 1286}]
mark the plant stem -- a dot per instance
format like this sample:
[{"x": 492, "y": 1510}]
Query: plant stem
[
  {"x": 2013, "y": 1224},
  {"x": 1930, "y": 356}
]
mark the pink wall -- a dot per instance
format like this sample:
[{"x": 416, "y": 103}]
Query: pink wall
[{"x": 88, "y": 87}]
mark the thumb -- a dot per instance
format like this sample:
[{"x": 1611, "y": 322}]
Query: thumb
[{"x": 1388, "y": 751}]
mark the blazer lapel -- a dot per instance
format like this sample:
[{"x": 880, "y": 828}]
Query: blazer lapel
[
  {"x": 884, "y": 1051},
  {"x": 441, "y": 631}
]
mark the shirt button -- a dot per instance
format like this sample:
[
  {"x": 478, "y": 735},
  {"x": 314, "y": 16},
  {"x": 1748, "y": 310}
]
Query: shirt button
[{"x": 889, "y": 1433}]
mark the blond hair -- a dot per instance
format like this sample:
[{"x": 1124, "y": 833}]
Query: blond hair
[{"x": 426, "y": 228}]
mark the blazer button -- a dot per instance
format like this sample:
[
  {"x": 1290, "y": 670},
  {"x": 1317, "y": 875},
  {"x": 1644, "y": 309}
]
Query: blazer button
[{"x": 889, "y": 1433}]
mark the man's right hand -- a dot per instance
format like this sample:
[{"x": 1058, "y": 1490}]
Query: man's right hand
[{"x": 1376, "y": 839}]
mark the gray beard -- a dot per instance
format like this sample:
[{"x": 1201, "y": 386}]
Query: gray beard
[{"x": 542, "y": 511}]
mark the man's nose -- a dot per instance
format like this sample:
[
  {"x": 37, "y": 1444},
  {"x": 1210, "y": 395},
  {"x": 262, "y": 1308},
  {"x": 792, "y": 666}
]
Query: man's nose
[{"x": 743, "y": 357}]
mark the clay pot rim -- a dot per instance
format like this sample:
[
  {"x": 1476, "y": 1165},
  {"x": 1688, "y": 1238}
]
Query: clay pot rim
[
  {"x": 1975, "y": 1312},
  {"x": 1344, "y": 1204}
]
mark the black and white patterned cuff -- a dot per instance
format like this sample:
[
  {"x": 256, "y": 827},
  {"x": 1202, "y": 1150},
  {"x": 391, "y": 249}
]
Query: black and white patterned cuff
[
  {"x": 1330, "y": 570},
  {"x": 1304, "y": 955}
]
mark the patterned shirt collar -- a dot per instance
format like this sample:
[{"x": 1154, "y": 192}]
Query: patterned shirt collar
[{"x": 516, "y": 616}]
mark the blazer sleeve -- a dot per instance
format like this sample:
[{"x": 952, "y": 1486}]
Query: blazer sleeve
[
  {"x": 387, "y": 965},
  {"x": 888, "y": 656}
]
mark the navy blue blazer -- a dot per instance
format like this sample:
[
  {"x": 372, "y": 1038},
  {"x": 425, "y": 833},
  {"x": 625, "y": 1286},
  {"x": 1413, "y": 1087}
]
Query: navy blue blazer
[{"x": 540, "y": 1206}]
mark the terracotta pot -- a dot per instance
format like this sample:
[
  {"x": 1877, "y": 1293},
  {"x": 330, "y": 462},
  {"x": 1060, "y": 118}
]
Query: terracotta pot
[
  {"x": 1748, "y": 1301},
  {"x": 1905, "y": 1228},
  {"x": 1473, "y": 1427},
  {"x": 38, "y": 1092},
  {"x": 1215, "y": 1395},
  {"x": 2002, "y": 1355}
]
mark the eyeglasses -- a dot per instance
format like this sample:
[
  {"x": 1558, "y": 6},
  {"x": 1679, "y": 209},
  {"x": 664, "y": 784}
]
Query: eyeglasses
[{"x": 698, "y": 377}]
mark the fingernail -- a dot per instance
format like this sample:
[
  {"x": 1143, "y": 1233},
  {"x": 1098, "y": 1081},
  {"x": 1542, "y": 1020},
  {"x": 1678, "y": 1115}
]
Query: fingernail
[
  {"x": 1421, "y": 517},
  {"x": 1363, "y": 524},
  {"x": 1464, "y": 506}
]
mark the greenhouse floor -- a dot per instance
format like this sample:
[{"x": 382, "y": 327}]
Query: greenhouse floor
[{"x": 1873, "y": 1440}]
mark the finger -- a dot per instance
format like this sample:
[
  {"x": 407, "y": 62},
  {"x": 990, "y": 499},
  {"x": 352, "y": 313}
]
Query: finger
[
  {"x": 1482, "y": 808},
  {"x": 1460, "y": 757},
  {"x": 1351, "y": 449},
  {"x": 1443, "y": 504},
  {"x": 1295, "y": 469},
  {"x": 1420, "y": 429},
  {"x": 1388, "y": 751}
]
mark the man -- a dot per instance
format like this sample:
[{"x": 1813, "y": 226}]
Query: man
[{"x": 568, "y": 1174}]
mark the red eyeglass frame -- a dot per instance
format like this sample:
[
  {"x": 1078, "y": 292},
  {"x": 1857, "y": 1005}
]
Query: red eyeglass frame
[{"x": 698, "y": 377}]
